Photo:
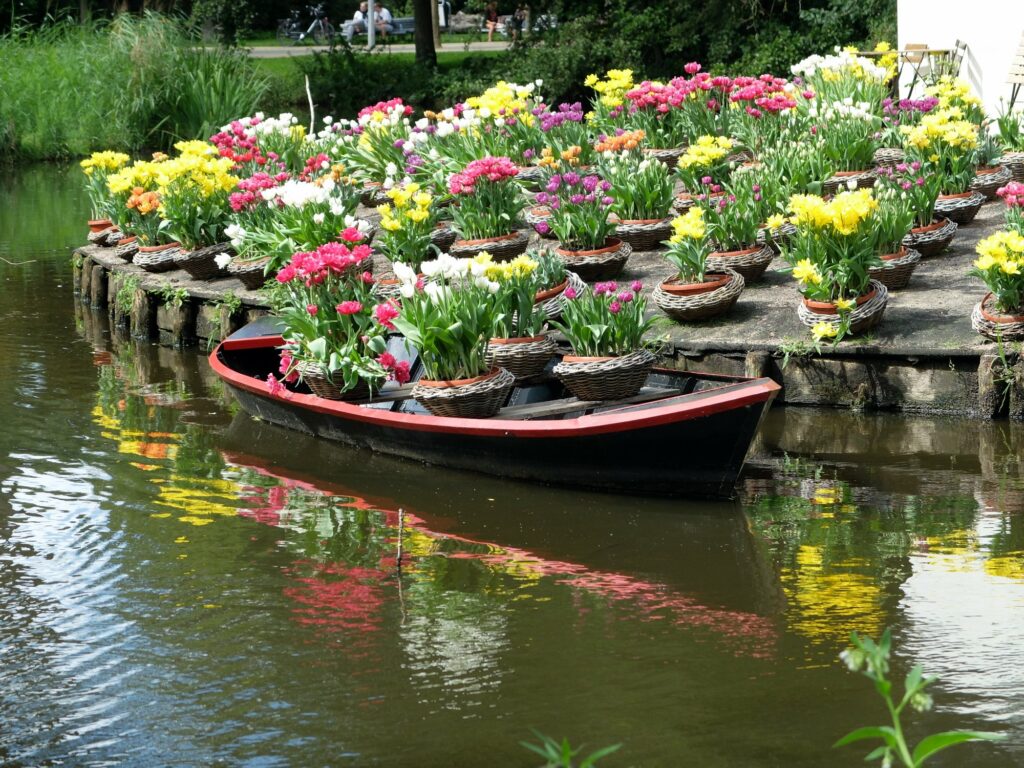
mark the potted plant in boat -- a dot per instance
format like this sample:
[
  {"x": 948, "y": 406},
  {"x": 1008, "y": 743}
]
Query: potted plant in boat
[
  {"x": 520, "y": 343},
  {"x": 605, "y": 327},
  {"x": 407, "y": 222},
  {"x": 334, "y": 337},
  {"x": 553, "y": 279},
  {"x": 580, "y": 208},
  {"x": 831, "y": 255},
  {"x": 450, "y": 318},
  {"x": 642, "y": 190},
  {"x": 1000, "y": 265},
  {"x": 693, "y": 293},
  {"x": 891, "y": 223},
  {"x": 703, "y": 169},
  {"x": 486, "y": 216},
  {"x": 734, "y": 222},
  {"x": 919, "y": 186},
  {"x": 97, "y": 167},
  {"x": 950, "y": 148}
]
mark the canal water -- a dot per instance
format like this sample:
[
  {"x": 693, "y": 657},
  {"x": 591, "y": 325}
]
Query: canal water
[{"x": 182, "y": 585}]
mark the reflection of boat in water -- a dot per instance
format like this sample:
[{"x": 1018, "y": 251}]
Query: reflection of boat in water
[
  {"x": 684, "y": 434},
  {"x": 700, "y": 570}
]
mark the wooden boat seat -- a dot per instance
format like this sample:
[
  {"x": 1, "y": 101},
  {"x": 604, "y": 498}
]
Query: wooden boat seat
[{"x": 567, "y": 405}]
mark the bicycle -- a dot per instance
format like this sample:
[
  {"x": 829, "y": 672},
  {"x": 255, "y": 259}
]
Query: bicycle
[{"x": 291, "y": 29}]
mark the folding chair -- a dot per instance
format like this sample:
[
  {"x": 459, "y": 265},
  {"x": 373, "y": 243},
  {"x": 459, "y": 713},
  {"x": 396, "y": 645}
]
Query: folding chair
[
  {"x": 917, "y": 56},
  {"x": 1016, "y": 76},
  {"x": 950, "y": 64}
]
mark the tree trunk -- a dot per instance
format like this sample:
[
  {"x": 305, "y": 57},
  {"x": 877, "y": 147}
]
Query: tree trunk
[{"x": 426, "y": 54}]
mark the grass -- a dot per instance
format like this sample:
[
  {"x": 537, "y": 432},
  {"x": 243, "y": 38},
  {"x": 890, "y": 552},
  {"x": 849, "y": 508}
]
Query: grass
[{"x": 269, "y": 39}]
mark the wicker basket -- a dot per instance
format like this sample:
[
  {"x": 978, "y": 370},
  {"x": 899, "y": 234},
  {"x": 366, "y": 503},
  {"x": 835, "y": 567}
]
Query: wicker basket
[
  {"x": 1015, "y": 162},
  {"x": 895, "y": 273},
  {"x": 530, "y": 175},
  {"x": 862, "y": 318},
  {"x": 668, "y": 156},
  {"x": 202, "y": 264},
  {"x": 644, "y": 235},
  {"x": 996, "y": 327},
  {"x": 989, "y": 182},
  {"x": 843, "y": 179},
  {"x": 776, "y": 238},
  {"x": 684, "y": 201},
  {"x": 115, "y": 236},
  {"x": 701, "y": 306},
  {"x": 101, "y": 237},
  {"x": 601, "y": 264},
  {"x": 323, "y": 386},
  {"x": 749, "y": 262},
  {"x": 889, "y": 156},
  {"x": 536, "y": 215},
  {"x": 552, "y": 307},
  {"x": 476, "y": 398},
  {"x": 523, "y": 358},
  {"x": 605, "y": 378},
  {"x": 959, "y": 208},
  {"x": 504, "y": 248},
  {"x": 160, "y": 259},
  {"x": 126, "y": 248},
  {"x": 373, "y": 195},
  {"x": 252, "y": 272},
  {"x": 443, "y": 236},
  {"x": 931, "y": 240}
]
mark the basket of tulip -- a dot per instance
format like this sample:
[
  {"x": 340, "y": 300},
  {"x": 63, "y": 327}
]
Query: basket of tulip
[
  {"x": 1010, "y": 125},
  {"x": 408, "y": 222},
  {"x": 335, "y": 337},
  {"x": 1013, "y": 196},
  {"x": 450, "y": 319},
  {"x": 703, "y": 169},
  {"x": 845, "y": 75},
  {"x": 919, "y": 187},
  {"x": 1000, "y": 265},
  {"x": 891, "y": 223},
  {"x": 642, "y": 190},
  {"x": 610, "y": 92},
  {"x": 832, "y": 255},
  {"x": 553, "y": 279},
  {"x": 520, "y": 343},
  {"x": 134, "y": 208},
  {"x": 895, "y": 115},
  {"x": 657, "y": 110},
  {"x": 605, "y": 327},
  {"x": 97, "y": 168},
  {"x": 693, "y": 293},
  {"x": 990, "y": 175},
  {"x": 580, "y": 208},
  {"x": 734, "y": 222},
  {"x": 487, "y": 215},
  {"x": 950, "y": 148},
  {"x": 848, "y": 131}
]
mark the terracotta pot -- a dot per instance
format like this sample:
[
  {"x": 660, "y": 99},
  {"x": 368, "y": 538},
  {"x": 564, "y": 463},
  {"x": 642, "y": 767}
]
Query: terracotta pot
[
  {"x": 98, "y": 225},
  {"x": 550, "y": 293},
  {"x": 541, "y": 212},
  {"x": 610, "y": 245},
  {"x": 158, "y": 248},
  {"x": 928, "y": 227},
  {"x": 711, "y": 282},
  {"x": 829, "y": 308},
  {"x": 480, "y": 241},
  {"x": 957, "y": 195},
  {"x": 580, "y": 359},
  {"x": 998, "y": 318},
  {"x": 894, "y": 256},
  {"x": 741, "y": 252},
  {"x": 988, "y": 170},
  {"x": 446, "y": 383},
  {"x": 638, "y": 221},
  {"x": 499, "y": 341}
]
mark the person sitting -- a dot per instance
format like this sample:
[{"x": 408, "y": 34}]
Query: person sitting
[
  {"x": 384, "y": 21},
  {"x": 357, "y": 24},
  {"x": 518, "y": 20},
  {"x": 491, "y": 20}
]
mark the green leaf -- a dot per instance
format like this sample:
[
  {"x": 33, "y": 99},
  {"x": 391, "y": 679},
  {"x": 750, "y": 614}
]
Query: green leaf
[
  {"x": 593, "y": 757},
  {"x": 929, "y": 745},
  {"x": 883, "y": 732}
]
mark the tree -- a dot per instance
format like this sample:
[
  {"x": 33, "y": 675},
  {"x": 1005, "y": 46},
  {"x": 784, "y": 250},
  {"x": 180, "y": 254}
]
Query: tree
[{"x": 426, "y": 55}]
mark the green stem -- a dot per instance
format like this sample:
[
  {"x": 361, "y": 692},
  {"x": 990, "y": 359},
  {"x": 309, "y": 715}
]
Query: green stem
[{"x": 901, "y": 743}]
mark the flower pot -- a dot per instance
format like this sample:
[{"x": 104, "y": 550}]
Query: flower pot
[
  {"x": 537, "y": 215},
  {"x": 932, "y": 239},
  {"x": 749, "y": 262},
  {"x": 684, "y": 201},
  {"x": 205, "y": 263},
  {"x": 1015, "y": 162},
  {"x": 889, "y": 156},
  {"x": 986, "y": 321},
  {"x": 988, "y": 180},
  {"x": 644, "y": 234},
  {"x": 865, "y": 315},
  {"x": 699, "y": 301},
  {"x": 157, "y": 258},
  {"x": 98, "y": 225},
  {"x": 322, "y": 386},
  {"x": 896, "y": 268},
  {"x": 374, "y": 194},
  {"x": 841, "y": 181},
  {"x": 600, "y": 263},
  {"x": 961, "y": 207},
  {"x": 501, "y": 248},
  {"x": 127, "y": 247},
  {"x": 251, "y": 272},
  {"x": 669, "y": 157},
  {"x": 553, "y": 299},
  {"x": 605, "y": 378},
  {"x": 776, "y": 238},
  {"x": 100, "y": 231},
  {"x": 443, "y": 236},
  {"x": 476, "y": 398},
  {"x": 523, "y": 357}
]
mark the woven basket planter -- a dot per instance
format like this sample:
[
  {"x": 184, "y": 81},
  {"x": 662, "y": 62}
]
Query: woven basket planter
[
  {"x": 644, "y": 235},
  {"x": 126, "y": 248},
  {"x": 373, "y": 195},
  {"x": 443, "y": 236},
  {"x": 863, "y": 317},
  {"x": 537, "y": 215},
  {"x": 841, "y": 181},
  {"x": 989, "y": 180},
  {"x": 530, "y": 175},
  {"x": 1015, "y": 162},
  {"x": 993, "y": 326},
  {"x": 605, "y": 378},
  {"x": 100, "y": 230},
  {"x": 932, "y": 239},
  {"x": 523, "y": 358},
  {"x": 322, "y": 386},
  {"x": 504, "y": 248},
  {"x": 552, "y": 301},
  {"x": 600, "y": 264},
  {"x": 749, "y": 262},
  {"x": 157, "y": 258},
  {"x": 895, "y": 272},
  {"x": 700, "y": 306},
  {"x": 776, "y": 238},
  {"x": 668, "y": 156},
  {"x": 252, "y": 272},
  {"x": 889, "y": 156},
  {"x": 201, "y": 264},
  {"x": 476, "y": 398},
  {"x": 115, "y": 236},
  {"x": 960, "y": 208},
  {"x": 684, "y": 201}
]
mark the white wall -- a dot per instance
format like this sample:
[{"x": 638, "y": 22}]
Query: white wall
[{"x": 991, "y": 29}]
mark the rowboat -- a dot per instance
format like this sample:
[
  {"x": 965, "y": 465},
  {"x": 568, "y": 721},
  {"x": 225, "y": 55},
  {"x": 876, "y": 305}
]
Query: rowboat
[{"x": 683, "y": 434}]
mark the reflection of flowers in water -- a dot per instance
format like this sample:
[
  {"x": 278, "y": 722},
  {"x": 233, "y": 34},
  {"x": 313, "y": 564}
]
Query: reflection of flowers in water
[{"x": 336, "y": 597}]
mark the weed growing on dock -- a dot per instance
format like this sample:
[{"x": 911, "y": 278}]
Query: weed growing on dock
[
  {"x": 796, "y": 348},
  {"x": 173, "y": 297},
  {"x": 230, "y": 302},
  {"x": 125, "y": 296}
]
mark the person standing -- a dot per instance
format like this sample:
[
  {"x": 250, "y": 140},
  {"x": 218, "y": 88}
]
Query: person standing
[
  {"x": 491, "y": 20},
  {"x": 518, "y": 20}
]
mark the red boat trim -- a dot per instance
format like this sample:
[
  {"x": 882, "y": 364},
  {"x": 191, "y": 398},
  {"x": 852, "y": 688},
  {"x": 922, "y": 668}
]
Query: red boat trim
[{"x": 753, "y": 391}]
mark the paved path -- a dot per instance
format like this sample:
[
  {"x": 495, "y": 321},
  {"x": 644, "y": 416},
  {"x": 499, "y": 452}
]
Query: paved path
[{"x": 282, "y": 51}]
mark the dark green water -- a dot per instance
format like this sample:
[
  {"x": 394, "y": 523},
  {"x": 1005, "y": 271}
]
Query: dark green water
[{"x": 180, "y": 585}]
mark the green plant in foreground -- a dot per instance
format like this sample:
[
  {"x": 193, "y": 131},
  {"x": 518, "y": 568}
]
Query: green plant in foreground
[
  {"x": 231, "y": 302},
  {"x": 125, "y": 296},
  {"x": 872, "y": 660},
  {"x": 561, "y": 754},
  {"x": 174, "y": 297}
]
